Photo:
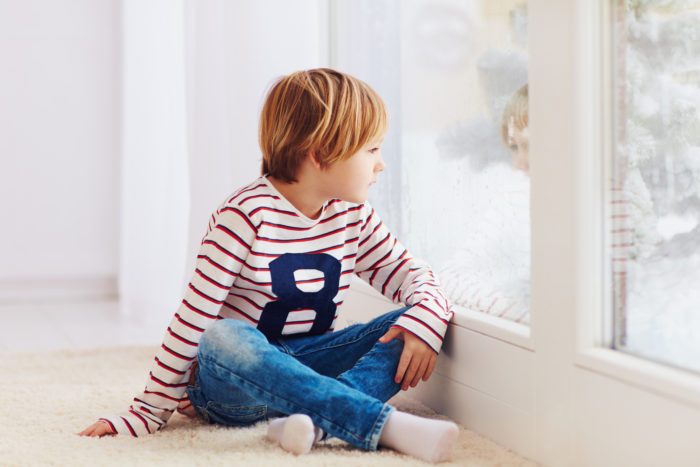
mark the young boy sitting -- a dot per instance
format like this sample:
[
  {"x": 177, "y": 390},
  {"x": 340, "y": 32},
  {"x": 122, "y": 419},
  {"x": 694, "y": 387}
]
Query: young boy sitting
[{"x": 253, "y": 339}]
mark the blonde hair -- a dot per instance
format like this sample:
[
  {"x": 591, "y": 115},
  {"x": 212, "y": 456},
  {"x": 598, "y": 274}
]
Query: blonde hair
[
  {"x": 515, "y": 113},
  {"x": 321, "y": 111}
]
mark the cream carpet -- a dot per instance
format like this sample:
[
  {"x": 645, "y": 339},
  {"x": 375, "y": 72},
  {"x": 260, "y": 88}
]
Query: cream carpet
[{"x": 48, "y": 397}]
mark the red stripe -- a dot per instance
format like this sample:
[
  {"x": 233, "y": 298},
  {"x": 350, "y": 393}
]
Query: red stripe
[
  {"x": 245, "y": 190},
  {"x": 172, "y": 352},
  {"x": 247, "y": 300},
  {"x": 189, "y": 325},
  {"x": 160, "y": 394},
  {"x": 223, "y": 250},
  {"x": 367, "y": 220},
  {"x": 330, "y": 248},
  {"x": 286, "y": 227},
  {"x": 376, "y": 264},
  {"x": 301, "y": 240},
  {"x": 435, "y": 299},
  {"x": 335, "y": 216},
  {"x": 210, "y": 280},
  {"x": 257, "y": 196},
  {"x": 205, "y": 296},
  {"x": 413, "y": 334},
  {"x": 238, "y": 287},
  {"x": 373, "y": 248},
  {"x": 216, "y": 265},
  {"x": 164, "y": 384},
  {"x": 420, "y": 305},
  {"x": 143, "y": 420},
  {"x": 233, "y": 235},
  {"x": 371, "y": 235},
  {"x": 424, "y": 324},
  {"x": 169, "y": 368},
  {"x": 128, "y": 425},
  {"x": 241, "y": 215},
  {"x": 278, "y": 211},
  {"x": 180, "y": 338},
  {"x": 186, "y": 303},
  {"x": 391, "y": 276},
  {"x": 240, "y": 312},
  {"x": 149, "y": 414}
]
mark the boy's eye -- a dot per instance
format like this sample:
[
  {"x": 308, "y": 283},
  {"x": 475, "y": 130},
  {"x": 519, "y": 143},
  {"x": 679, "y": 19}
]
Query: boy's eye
[{"x": 373, "y": 150}]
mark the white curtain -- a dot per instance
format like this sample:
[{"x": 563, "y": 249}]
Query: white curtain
[{"x": 195, "y": 74}]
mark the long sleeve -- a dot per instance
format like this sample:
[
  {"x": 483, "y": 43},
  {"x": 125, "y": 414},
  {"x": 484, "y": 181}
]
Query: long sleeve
[
  {"x": 388, "y": 267},
  {"x": 219, "y": 262}
]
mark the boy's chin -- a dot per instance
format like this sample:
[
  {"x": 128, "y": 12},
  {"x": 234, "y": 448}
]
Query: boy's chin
[{"x": 355, "y": 199}]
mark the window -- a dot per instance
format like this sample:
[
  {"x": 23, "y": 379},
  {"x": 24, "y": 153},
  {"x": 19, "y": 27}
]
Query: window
[
  {"x": 456, "y": 191},
  {"x": 655, "y": 192}
]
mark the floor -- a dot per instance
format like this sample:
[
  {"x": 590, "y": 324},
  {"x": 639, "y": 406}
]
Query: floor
[
  {"x": 90, "y": 323},
  {"x": 73, "y": 325}
]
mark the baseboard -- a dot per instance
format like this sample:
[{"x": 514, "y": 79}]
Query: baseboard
[{"x": 50, "y": 289}]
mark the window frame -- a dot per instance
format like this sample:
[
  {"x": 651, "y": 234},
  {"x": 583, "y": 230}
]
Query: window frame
[
  {"x": 559, "y": 393},
  {"x": 594, "y": 162}
]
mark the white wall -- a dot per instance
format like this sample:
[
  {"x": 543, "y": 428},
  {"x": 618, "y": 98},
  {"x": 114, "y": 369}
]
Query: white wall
[
  {"x": 59, "y": 139},
  {"x": 61, "y": 127}
]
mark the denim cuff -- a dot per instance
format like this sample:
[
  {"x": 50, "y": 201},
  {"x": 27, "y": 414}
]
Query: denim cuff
[{"x": 387, "y": 410}]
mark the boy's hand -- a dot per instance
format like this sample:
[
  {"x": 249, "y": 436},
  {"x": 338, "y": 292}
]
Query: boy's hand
[
  {"x": 417, "y": 359},
  {"x": 97, "y": 429}
]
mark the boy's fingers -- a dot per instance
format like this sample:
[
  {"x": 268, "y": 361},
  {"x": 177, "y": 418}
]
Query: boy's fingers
[
  {"x": 404, "y": 361},
  {"x": 421, "y": 372},
  {"x": 410, "y": 373},
  {"x": 431, "y": 367},
  {"x": 98, "y": 429},
  {"x": 391, "y": 334}
]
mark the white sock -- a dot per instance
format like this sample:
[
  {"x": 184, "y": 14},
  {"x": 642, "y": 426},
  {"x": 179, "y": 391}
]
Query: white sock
[
  {"x": 275, "y": 429},
  {"x": 296, "y": 434},
  {"x": 424, "y": 438}
]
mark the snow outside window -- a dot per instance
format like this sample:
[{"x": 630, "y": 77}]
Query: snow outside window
[
  {"x": 655, "y": 191},
  {"x": 454, "y": 75}
]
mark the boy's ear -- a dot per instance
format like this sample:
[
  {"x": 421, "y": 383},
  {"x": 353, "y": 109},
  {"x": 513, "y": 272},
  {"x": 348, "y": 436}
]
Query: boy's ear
[{"x": 314, "y": 161}]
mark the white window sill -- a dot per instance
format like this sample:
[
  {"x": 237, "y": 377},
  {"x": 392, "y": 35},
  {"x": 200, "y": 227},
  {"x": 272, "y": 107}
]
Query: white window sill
[{"x": 680, "y": 385}]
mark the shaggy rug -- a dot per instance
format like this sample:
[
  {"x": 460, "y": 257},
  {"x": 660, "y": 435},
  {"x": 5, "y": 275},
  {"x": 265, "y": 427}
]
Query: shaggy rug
[{"x": 54, "y": 395}]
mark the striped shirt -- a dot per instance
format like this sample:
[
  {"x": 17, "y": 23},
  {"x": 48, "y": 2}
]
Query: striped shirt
[{"x": 264, "y": 262}]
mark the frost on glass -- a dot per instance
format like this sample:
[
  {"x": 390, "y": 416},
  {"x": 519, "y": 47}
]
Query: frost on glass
[
  {"x": 464, "y": 190},
  {"x": 655, "y": 198},
  {"x": 453, "y": 192}
]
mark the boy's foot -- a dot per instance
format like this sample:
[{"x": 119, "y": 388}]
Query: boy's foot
[
  {"x": 424, "y": 438},
  {"x": 275, "y": 429},
  {"x": 296, "y": 434}
]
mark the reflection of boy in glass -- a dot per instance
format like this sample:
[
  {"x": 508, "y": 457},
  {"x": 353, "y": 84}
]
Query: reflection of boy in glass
[{"x": 514, "y": 129}]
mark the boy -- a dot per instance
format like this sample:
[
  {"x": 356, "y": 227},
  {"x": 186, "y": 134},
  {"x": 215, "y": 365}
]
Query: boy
[
  {"x": 514, "y": 129},
  {"x": 277, "y": 261}
]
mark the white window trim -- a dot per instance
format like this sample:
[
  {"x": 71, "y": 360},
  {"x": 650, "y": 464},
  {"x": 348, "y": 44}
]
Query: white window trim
[{"x": 594, "y": 311}]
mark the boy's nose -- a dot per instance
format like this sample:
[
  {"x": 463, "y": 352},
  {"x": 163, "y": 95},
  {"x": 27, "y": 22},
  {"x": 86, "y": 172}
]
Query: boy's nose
[{"x": 380, "y": 166}]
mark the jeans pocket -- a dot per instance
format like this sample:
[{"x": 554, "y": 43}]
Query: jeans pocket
[{"x": 234, "y": 416}]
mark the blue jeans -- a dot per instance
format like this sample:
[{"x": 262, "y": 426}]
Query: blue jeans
[{"x": 341, "y": 380}]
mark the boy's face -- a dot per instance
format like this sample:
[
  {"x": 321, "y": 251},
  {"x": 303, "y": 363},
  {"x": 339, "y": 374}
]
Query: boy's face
[
  {"x": 351, "y": 178},
  {"x": 519, "y": 144}
]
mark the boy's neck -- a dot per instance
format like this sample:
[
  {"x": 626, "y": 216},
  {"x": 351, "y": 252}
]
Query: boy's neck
[{"x": 303, "y": 196}]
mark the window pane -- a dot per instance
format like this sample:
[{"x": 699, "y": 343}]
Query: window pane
[
  {"x": 655, "y": 198},
  {"x": 464, "y": 66},
  {"x": 456, "y": 189}
]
